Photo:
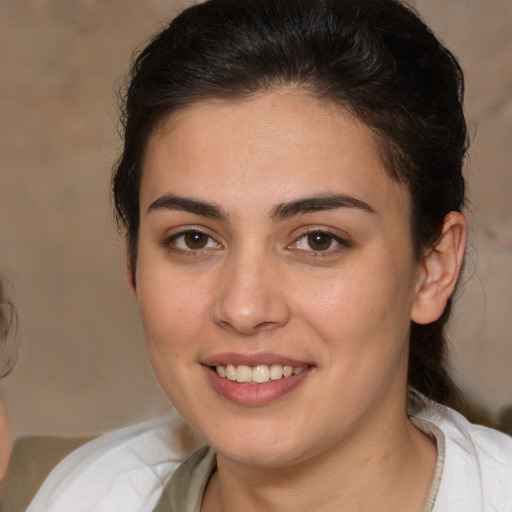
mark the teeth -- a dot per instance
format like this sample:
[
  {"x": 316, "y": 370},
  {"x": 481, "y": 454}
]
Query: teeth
[
  {"x": 231, "y": 372},
  {"x": 276, "y": 372},
  {"x": 243, "y": 373},
  {"x": 258, "y": 374},
  {"x": 261, "y": 373}
]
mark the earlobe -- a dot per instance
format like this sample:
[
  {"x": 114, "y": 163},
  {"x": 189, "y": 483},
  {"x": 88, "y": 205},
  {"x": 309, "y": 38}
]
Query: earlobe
[{"x": 440, "y": 271}]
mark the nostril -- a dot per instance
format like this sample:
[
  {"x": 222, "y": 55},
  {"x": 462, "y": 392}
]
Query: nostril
[
  {"x": 265, "y": 325},
  {"x": 249, "y": 303}
]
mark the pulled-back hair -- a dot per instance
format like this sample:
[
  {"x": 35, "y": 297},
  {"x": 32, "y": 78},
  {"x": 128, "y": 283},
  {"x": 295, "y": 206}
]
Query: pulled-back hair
[{"x": 373, "y": 58}]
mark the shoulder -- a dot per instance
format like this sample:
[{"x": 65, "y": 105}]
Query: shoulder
[
  {"x": 33, "y": 458},
  {"x": 477, "y": 471},
  {"x": 123, "y": 470}
]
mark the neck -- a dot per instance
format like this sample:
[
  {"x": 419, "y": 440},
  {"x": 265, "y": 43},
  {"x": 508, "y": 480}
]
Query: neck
[{"x": 388, "y": 466}]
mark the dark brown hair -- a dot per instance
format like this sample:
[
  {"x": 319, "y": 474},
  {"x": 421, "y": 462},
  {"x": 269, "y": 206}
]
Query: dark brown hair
[
  {"x": 8, "y": 332},
  {"x": 374, "y": 58}
]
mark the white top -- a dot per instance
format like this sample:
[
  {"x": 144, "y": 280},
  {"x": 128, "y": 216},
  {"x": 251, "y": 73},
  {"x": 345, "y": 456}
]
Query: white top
[
  {"x": 127, "y": 470},
  {"x": 477, "y": 470},
  {"x": 123, "y": 471}
]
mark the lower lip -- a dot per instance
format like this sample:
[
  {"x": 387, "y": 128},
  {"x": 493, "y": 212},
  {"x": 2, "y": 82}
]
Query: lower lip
[{"x": 254, "y": 394}]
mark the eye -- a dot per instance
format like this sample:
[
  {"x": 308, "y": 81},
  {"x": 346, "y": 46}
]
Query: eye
[
  {"x": 192, "y": 240},
  {"x": 319, "y": 241}
]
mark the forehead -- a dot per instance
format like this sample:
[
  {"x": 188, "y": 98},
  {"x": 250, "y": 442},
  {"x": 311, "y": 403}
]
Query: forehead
[{"x": 281, "y": 143}]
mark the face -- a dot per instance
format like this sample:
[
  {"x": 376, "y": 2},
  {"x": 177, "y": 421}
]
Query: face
[{"x": 275, "y": 276}]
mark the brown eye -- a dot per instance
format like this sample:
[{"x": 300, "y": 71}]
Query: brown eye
[
  {"x": 195, "y": 240},
  {"x": 192, "y": 241},
  {"x": 319, "y": 241}
]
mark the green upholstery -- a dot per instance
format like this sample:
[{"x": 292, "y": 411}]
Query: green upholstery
[{"x": 32, "y": 460}]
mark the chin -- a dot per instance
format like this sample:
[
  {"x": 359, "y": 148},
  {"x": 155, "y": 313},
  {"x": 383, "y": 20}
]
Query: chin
[
  {"x": 270, "y": 444},
  {"x": 256, "y": 455}
]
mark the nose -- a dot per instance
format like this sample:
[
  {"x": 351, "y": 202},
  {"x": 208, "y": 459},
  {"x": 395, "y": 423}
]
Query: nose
[{"x": 251, "y": 297}]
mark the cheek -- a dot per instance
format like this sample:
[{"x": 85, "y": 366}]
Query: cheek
[
  {"x": 367, "y": 307},
  {"x": 173, "y": 313},
  {"x": 173, "y": 319}
]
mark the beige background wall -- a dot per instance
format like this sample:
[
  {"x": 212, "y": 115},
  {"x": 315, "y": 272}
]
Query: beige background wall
[{"x": 82, "y": 363}]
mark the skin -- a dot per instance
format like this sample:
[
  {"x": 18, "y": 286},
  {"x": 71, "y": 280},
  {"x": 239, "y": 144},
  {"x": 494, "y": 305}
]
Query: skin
[
  {"x": 5, "y": 441},
  {"x": 340, "y": 439}
]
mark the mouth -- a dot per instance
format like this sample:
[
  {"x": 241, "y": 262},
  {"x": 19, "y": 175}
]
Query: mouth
[
  {"x": 255, "y": 379},
  {"x": 258, "y": 374}
]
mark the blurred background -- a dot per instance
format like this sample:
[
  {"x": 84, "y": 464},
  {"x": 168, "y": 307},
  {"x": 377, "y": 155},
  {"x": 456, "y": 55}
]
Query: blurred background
[{"x": 82, "y": 365}]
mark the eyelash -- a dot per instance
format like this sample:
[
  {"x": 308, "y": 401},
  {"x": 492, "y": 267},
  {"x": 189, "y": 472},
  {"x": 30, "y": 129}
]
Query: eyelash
[
  {"x": 170, "y": 244},
  {"x": 329, "y": 250}
]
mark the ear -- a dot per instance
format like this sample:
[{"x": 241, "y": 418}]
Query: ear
[
  {"x": 130, "y": 274},
  {"x": 440, "y": 270}
]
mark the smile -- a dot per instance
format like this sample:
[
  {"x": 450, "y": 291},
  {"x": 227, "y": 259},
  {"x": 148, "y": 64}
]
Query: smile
[{"x": 259, "y": 374}]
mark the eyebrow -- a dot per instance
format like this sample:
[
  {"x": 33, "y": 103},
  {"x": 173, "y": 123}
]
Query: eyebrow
[
  {"x": 202, "y": 208},
  {"x": 279, "y": 213},
  {"x": 318, "y": 203}
]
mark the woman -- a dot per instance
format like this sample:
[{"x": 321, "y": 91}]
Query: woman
[{"x": 291, "y": 187}]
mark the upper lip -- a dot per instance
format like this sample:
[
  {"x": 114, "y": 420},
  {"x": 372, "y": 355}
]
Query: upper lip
[{"x": 255, "y": 359}]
